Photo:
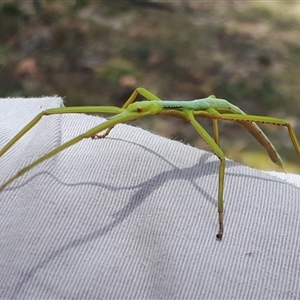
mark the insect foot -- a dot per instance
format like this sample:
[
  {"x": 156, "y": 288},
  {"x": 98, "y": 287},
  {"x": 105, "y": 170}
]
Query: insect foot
[{"x": 219, "y": 236}]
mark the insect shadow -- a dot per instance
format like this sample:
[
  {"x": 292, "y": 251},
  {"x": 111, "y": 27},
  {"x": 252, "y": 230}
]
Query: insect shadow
[{"x": 202, "y": 168}]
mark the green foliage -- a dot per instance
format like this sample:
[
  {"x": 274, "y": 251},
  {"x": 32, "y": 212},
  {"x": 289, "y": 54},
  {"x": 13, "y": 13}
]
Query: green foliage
[
  {"x": 10, "y": 20},
  {"x": 115, "y": 69}
]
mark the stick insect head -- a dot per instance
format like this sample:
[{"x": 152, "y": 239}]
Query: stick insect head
[{"x": 146, "y": 107}]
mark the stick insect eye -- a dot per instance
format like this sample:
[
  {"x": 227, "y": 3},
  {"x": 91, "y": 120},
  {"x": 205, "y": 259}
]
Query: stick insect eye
[{"x": 134, "y": 107}]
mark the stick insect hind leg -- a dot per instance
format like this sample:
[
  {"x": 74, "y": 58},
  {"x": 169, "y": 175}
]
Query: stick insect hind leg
[{"x": 267, "y": 120}]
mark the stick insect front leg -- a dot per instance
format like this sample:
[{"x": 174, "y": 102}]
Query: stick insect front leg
[
  {"x": 124, "y": 116},
  {"x": 59, "y": 111}
]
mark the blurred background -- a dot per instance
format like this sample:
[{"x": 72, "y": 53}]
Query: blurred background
[{"x": 98, "y": 52}]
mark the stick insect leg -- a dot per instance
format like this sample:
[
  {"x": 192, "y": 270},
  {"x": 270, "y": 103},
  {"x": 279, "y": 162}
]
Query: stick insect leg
[
  {"x": 248, "y": 119},
  {"x": 219, "y": 153},
  {"x": 119, "y": 118},
  {"x": 216, "y": 131},
  {"x": 56, "y": 111},
  {"x": 249, "y": 123},
  {"x": 138, "y": 91}
]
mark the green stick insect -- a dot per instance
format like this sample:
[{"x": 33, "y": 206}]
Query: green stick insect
[{"x": 211, "y": 108}]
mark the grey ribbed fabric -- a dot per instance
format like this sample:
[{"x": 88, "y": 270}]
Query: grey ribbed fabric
[{"x": 134, "y": 216}]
